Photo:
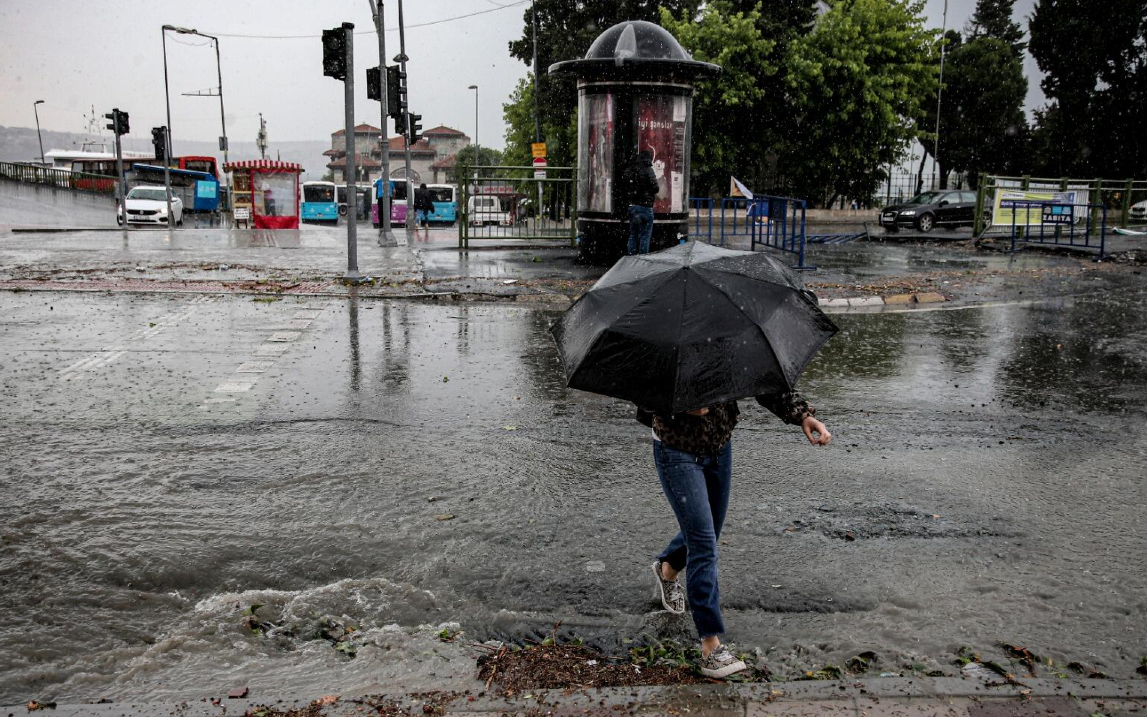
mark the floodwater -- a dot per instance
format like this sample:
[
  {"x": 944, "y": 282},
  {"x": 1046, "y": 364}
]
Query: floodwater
[{"x": 985, "y": 484}]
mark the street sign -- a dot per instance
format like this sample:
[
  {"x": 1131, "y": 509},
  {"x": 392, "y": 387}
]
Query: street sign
[
  {"x": 538, "y": 149},
  {"x": 540, "y": 167}
]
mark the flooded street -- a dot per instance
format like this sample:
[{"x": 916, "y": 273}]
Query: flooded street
[{"x": 171, "y": 461}]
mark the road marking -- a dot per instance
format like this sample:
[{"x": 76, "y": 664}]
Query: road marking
[
  {"x": 235, "y": 386},
  {"x": 254, "y": 366},
  {"x": 110, "y": 354},
  {"x": 274, "y": 346}
]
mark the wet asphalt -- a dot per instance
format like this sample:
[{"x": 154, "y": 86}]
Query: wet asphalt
[{"x": 169, "y": 461}]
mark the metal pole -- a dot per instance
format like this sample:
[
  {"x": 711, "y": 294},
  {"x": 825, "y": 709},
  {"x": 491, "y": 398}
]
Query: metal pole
[
  {"x": 385, "y": 233},
  {"x": 939, "y": 94},
  {"x": 119, "y": 172},
  {"x": 222, "y": 115},
  {"x": 406, "y": 137},
  {"x": 37, "y": 111},
  {"x": 537, "y": 116},
  {"x": 350, "y": 175},
  {"x": 167, "y": 160}
]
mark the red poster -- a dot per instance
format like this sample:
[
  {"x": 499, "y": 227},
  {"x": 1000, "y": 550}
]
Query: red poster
[{"x": 661, "y": 131}]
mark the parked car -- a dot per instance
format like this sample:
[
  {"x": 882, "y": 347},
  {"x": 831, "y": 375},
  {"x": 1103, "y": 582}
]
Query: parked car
[
  {"x": 929, "y": 210},
  {"x": 486, "y": 209},
  {"x": 146, "y": 205},
  {"x": 1139, "y": 210}
]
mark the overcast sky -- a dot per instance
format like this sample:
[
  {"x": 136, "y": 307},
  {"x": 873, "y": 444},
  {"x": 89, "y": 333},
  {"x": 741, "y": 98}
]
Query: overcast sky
[{"x": 74, "y": 54}]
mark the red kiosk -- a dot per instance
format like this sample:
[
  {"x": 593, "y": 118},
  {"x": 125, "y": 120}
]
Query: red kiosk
[{"x": 265, "y": 193}]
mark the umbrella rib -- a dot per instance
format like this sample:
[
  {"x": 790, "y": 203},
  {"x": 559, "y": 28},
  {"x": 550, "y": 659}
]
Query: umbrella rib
[
  {"x": 680, "y": 331},
  {"x": 759, "y": 329}
]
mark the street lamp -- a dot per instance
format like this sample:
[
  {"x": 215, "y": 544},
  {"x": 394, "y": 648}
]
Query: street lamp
[
  {"x": 167, "y": 97},
  {"x": 37, "y": 111},
  {"x": 475, "y": 88}
]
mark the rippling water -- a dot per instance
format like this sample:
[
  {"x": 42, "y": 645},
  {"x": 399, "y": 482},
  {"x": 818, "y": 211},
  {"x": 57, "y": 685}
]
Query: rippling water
[{"x": 988, "y": 465}]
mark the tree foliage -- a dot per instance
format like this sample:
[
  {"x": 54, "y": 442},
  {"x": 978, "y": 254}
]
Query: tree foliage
[
  {"x": 1096, "y": 83},
  {"x": 861, "y": 80},
  {"x": 994, "y": 19}
]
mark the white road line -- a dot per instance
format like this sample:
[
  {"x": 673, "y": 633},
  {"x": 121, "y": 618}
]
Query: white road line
[
  {"x": 254, "y": 366},
  {"x": 271, "y": 350},
  {"x": 235, "y": 386},
  {"x": 280, "y": 336}
]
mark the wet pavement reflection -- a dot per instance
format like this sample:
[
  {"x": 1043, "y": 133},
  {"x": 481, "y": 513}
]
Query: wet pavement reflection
[{"x": 402, "y": 465}]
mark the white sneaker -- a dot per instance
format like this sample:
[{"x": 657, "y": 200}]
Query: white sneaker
[
  {"x": 721, "y": 663},
  {"x": 672, "y": 596}
]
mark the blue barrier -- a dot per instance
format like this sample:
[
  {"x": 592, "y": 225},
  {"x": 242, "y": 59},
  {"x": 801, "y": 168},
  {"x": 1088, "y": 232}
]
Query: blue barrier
[
  {"x": 1057, "y": 216},
  {"x": 768, "y": 221}
]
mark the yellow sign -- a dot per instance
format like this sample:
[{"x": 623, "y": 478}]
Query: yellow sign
[{"x": 538, "y": 149}]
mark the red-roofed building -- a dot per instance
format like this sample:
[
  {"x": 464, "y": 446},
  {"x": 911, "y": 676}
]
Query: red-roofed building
[{"x": 431, "y": 157}]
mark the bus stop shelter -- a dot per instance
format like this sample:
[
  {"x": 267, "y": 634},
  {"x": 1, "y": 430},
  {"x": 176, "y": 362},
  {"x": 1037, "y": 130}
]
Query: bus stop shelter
[{"x": 266, "y": 192}]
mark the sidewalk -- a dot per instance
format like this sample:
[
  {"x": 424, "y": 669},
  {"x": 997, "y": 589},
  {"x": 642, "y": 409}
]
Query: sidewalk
[
  {"x": 859, "y": 276},
  {"x": 902, "y": 697}
]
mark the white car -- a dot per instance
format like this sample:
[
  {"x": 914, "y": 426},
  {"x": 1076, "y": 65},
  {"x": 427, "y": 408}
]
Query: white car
[
  {"x": 1139, "y": 210},
  {"x": 146, "y": 205}
]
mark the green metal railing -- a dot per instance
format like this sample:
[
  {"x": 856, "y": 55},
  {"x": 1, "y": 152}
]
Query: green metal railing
[
  {"x": 511, "y": 203},
  {"x": 61, "y": 178},
  {"x": 1118, "y": 195}
]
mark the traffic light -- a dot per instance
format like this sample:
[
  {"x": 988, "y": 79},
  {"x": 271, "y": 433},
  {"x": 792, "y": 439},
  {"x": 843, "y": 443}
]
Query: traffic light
[
  {"x": 395, "y": 92},
  {"x": 118, "y": 122},
  {"x": 159, "y": 142},
  {"x": 373, "y": 83},
  {"x": 334, "y": 53},
  {"x": 415, "y": 128},
  {"x": 400, "y": 125}
]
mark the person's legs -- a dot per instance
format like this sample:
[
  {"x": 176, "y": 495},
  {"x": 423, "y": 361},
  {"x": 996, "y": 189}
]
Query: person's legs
[
  {"x": 646, "y": 226},
  {"x": 685, "y": 485},
  {"x": 631, "y": 248}
]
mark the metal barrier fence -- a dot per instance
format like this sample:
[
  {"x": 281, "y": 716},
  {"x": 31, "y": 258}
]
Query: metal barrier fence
[
  {"x": 62, "y": 178},
  {"x": 773, "y": 222},
  {"x": 513, "y": 203},
  {"x": 1059, "y": 217}
]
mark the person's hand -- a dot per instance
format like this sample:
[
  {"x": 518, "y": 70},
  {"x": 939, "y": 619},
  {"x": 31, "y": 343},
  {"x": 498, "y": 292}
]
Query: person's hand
[
  {"x": 811, "y": 426},
  {"x": 698, "y": 412}
]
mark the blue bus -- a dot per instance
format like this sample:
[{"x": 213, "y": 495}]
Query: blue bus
[
  {"x": 319, "y": 204},
  {"x": 445, "y": 203}
]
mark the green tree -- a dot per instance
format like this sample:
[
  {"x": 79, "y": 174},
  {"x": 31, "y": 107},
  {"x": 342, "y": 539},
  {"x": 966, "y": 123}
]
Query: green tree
[
  {"x": 1095, "y": 78},
  {"x": 861, "y": 81},
  {"x": 464, "y": 160},
  {"x": 561, "y": 140},
  {"x": 994, "y": 19},
  {"x": 982, "y": 123},
  {"x": 731, "y": 131}
]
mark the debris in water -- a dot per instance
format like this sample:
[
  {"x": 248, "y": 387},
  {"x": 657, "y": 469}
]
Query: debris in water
[
  {"x": 445, "y": 516},
  {"x": 238, "y": 693}
]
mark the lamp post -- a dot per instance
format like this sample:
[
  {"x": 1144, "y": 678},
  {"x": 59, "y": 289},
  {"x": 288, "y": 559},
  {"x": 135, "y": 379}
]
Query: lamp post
[
  {"x": 37, "y": 111},
  {"x": 223, "y": 147},
  {"x": 940, "y": 94},
  {"x": 476, "y": 160}
]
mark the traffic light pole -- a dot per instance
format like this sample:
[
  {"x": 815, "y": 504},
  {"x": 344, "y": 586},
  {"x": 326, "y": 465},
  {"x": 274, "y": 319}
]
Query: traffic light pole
[
  {"x": 119, "y": 171},
  {"x": 406, "y": 117},
  {"x": 351, "y": 174},
  {"x": 385, "y": 232}
]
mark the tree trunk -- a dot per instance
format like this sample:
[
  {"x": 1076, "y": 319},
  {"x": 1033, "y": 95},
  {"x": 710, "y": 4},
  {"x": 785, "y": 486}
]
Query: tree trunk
[{"x": 920, "y": 173}]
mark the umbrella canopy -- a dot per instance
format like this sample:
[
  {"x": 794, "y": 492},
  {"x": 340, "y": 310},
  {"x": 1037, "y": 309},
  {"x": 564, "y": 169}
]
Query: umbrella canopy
[{"x": 690, "y": 327}]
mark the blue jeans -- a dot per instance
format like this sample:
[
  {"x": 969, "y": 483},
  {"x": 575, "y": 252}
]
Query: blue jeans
[
  {"x": 420, "y": 219},
  {"x": 697, "y": 487},
  {"x": 640, "y": 229}
]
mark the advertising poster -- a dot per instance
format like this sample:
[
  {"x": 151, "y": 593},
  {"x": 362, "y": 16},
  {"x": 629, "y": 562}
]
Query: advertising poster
[
  {"x": 1012, "y": 205},
  {"x": 597, "y": 162},
  {"x": 661, "y": 124}
]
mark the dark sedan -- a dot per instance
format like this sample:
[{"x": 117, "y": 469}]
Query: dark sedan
[{"x": 929, "y": 210}]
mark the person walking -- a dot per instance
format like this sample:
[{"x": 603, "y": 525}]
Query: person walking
[
  {"x": 423, "y": 207},
  {"x": 693, "y": 454},
  {"x": 642, "y": 188}
]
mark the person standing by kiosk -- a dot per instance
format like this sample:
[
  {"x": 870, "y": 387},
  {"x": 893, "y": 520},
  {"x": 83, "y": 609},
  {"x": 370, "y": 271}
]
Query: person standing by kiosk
[{"x": 641, "y": 184}]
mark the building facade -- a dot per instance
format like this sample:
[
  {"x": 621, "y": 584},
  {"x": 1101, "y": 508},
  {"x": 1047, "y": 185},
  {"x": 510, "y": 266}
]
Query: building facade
[{"x": 431, "y": 157}]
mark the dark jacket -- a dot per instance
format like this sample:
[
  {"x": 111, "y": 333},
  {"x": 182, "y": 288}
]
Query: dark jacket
[
  {"x": 641, "y": 182},
  {"x": 423, "y": 200},
  {"x": 705, "y": 435}
]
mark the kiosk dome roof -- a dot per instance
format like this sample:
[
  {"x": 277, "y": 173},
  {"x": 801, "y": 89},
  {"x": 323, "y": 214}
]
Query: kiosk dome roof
[{"x": 635, "y": 49}]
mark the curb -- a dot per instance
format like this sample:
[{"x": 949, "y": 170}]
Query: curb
[{"x": 869, "y": 302}]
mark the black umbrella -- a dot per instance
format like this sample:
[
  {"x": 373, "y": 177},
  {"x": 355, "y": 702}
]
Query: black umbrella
[{"x": 690, "y": 327}]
